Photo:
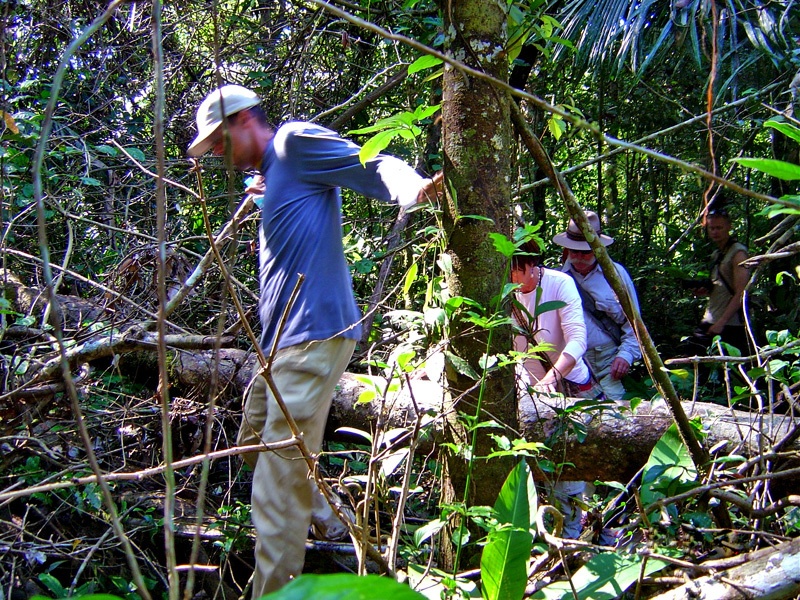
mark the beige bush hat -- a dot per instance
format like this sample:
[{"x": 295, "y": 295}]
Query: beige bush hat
[
  {"x": 573, "y": 237},
  {"x": 233, "y": 98}
]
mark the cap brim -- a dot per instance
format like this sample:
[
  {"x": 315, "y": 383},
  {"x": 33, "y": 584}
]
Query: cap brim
[
  {"x": 563, "y": 240},
  {"x": 201, "y": 144}
]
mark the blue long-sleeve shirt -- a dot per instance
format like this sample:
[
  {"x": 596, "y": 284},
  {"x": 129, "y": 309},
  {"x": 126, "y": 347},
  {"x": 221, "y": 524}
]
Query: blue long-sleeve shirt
[{"x": 304, "y": 167}]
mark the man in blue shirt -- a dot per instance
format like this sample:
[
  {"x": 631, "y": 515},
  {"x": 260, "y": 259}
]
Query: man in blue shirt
[{"x": 303, "y": 166}]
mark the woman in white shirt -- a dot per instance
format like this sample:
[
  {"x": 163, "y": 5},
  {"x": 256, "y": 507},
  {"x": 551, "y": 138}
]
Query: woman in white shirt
[{"x": 561, "y": 367}]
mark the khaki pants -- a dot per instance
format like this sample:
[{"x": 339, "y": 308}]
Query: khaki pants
[
  {"x": 600, "y": 359},
  {"x": 306, "y": 376}
]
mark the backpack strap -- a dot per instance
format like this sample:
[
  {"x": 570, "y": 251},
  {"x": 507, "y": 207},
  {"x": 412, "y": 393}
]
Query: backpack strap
[
  {"x": 718, "y": 264},
  {"x": 606, "y": 323}
]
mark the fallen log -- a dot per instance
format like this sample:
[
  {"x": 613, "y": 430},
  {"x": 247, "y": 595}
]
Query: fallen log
[
  {"x": 618, "y": 440},
  {"x": 769, "y": 573}
]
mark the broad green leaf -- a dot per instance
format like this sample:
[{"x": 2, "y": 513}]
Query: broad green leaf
[
  {"x": 445, "y": 263},
  {"x": 344, "y": 586},
  {"x": 556, "y": 127},
  {"x": 502, "y": 244},
  {"x": 669, "y": 467},
  {"x": 786, "y": 129},
  {"x": 461, "y": 366},
  {"x": 411, "y": 277},
  {"x": 375, "y": 144},
  {"x": 435, "y": 316},
  {"x": 423, "y": 112},
  {"x": 428, "y": 530},
  {"x": 504, "y": 561},
  {"x": 105, "y": 149},
  {"x": 776, "y": 168},
  {"x": 422, "y": 63},
  {"x": 53, "y": 584},
  {"x": 604, "y": 577},
  {"x": 91, "y": 181},
  {"x": 366, "y": 397},
  {"x": 136, "y": 154},
  {"x": 391, "y": 463},
  {"x": 404, "y": 359},
  {"x": 356, "y": 432},
  {"x": 476, "y": 218},
  {"x": 548, "y": 306}
]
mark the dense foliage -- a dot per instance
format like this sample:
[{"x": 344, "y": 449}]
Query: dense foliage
[{"x": 81, "y": 118}]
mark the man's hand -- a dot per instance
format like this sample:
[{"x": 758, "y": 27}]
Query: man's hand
[
  {"x": 433, "y": 189},
  {"x": 255, "y": 185},
  {"x": 619, "y": 368}
]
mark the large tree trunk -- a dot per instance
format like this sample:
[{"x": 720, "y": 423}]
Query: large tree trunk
[{"x": 477, "y": 143}]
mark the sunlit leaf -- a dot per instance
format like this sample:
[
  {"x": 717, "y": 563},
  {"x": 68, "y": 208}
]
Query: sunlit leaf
[
  {"x": 776, "y": 168},
  {"x": 504, "y": 561},
  {"x": 502, "y": 244},
  {"x": 785, "y": 128},
  {"x": 373, "y": 146},
  {"x": 428, "y": 530},
  {"x": 604, "y": 577},
  {"x": 343, "y": 586},
  {"x": 422, "y": 63}
]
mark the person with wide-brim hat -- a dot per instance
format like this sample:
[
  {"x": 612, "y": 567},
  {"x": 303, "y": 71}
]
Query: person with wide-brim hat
[{"x": 611, "y": 343}]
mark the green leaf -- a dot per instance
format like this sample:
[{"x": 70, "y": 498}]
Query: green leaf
[
  {"x": 91, "y": 181},
  {"x": 366, "y": 397},
  {"x": 776, "y": 168},
  {"x": 504, "y": 561},
  {"x": 548, "y": 306},
  {"x": 52, "y": 584},
  {"x": 344, "y": 586},
  {"x": 108, "y": 150},
  {"x": 476, "y": 218},
  {"x": 669, "y": 467},
  {"x": 356, "y": 432},
  {"x": 411, "y": 277},
  {"x": 423, "y": 112},
  {"x": 428, "y": 530},
  {"x": 556, "y": 127},
  {"x": 461, "y": 366},
  {"x": 375, "y": 144},
  {"x": 604, "y": 577},
  {"x": 502, "y": 244},
  {"x": 136, "y": 154},
  {"x": 786, "y": 129},
  {"x": 422, "y": 63}
]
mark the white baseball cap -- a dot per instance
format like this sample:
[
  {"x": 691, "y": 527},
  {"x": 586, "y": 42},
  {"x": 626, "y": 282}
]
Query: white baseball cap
[{"x": 233, "y": 98}]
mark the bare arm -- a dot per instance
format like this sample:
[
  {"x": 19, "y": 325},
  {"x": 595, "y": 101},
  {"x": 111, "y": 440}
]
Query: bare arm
[{"x": 562, "y": 367}]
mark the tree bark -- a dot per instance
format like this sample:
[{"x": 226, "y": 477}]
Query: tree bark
[{"x": 477, "y": 144}]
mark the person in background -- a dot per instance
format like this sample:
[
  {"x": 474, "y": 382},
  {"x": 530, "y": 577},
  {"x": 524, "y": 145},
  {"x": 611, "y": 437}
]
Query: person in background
[
  {"x": 561, "y": 369},
  {"x": 611, "y": 344},
  {"x": 303, "y": 167},
  {"x": 728, "y": 276}
]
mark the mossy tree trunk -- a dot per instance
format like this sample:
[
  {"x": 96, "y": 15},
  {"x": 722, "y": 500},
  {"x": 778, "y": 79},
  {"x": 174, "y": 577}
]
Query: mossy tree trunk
[{"x": 477, "y": 142}]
